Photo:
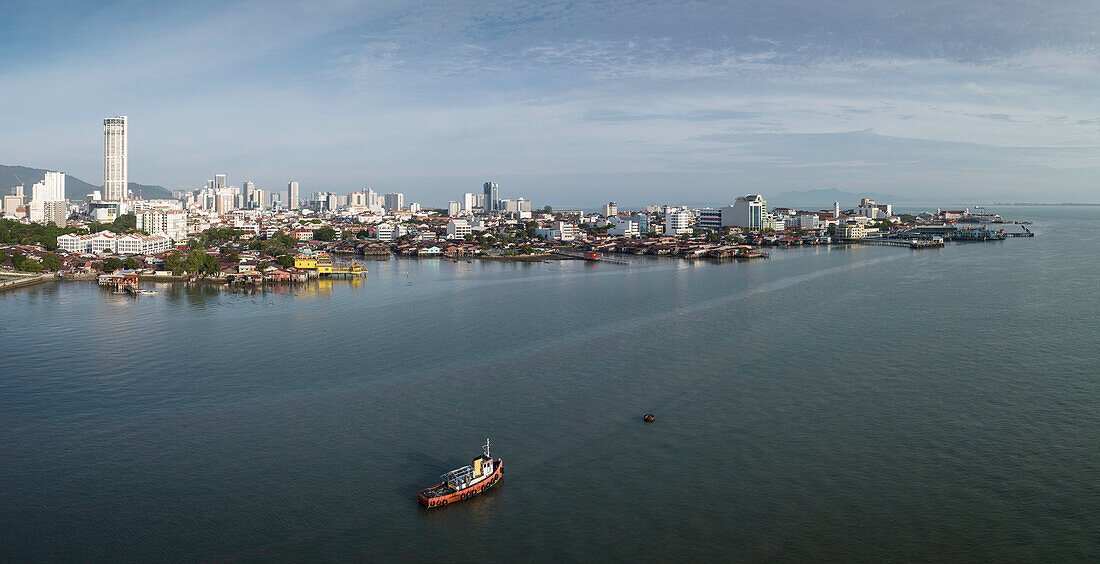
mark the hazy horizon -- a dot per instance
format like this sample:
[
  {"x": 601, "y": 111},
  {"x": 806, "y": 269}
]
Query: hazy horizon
[{"x": 563, "y": 103}]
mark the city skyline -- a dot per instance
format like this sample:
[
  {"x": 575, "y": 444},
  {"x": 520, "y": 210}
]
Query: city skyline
[{"x": 573, "y": 104}]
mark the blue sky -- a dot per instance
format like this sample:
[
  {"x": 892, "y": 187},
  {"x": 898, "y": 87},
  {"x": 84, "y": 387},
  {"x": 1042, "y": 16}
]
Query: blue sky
[{"x": 567, "y": 103}]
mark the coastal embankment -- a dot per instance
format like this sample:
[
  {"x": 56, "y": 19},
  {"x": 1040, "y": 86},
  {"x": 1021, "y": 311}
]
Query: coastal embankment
[{"x": 19, "y": 279}]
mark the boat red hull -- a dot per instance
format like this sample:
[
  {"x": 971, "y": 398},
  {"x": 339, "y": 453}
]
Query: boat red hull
[{"x": 444, "y": 500}]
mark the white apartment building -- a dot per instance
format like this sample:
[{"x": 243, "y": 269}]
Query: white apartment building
[
  {"x": 678, "y": 222},
  {"x": 142, "y": 244},
  {"x": 469, "y": 202},
  {"x": 804, "y": 221},
  {"x": 453, "y": 209},
  {"x": 384, "y": 231},
  {"x": 458, "y": 228},
  {"x": 623, "y": 226},
  {"x": 610, "y": 209},
  {"x": 560, "y": 231},
  {"x": 172, "y": 223},
  {"x": 121, "y": 244}
]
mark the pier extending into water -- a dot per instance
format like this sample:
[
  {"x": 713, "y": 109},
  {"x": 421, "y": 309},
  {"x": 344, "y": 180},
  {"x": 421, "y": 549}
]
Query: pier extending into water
[
  {"x": 911, "y": 243},
  {"x": 591, "y": 256}
]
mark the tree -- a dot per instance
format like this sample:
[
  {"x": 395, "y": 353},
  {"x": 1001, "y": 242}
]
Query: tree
[
  {"x": 30, "y": 265},
  {"x": 131, "y": 263},
  {"x": 362, "y": 234},
  {"x": 325, "y": 233},
  {"x": 50, "y": 262},
  {"x": 3, "y": 257},
  {"x": 112, "y": 263},
  {"x": 174, "y": 263},
  {"x": 210, "y": 265},
  {"x": 285, "y": 260},
  {"x": 124, "y": 223},
  {"x": 195, "y": 261}
]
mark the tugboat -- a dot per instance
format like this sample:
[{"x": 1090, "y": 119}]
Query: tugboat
[{"x": 463, "y": 483}]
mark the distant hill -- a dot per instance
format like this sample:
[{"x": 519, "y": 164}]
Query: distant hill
[
  {"x": 824, "y": 199},
  {"x": 75, "y": 188},
  {"x": 148, "y": 192}
]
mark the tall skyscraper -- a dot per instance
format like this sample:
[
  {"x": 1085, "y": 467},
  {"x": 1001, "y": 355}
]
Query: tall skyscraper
[
  {"x": 492, "y": 197},
  {"x": 394, "y": 201},
  {"x": 115, "y": 173},
  {"x": 249, "y": 194},
  {"x": 292, "y": 195},
  {"x": 219, "y": 182}
]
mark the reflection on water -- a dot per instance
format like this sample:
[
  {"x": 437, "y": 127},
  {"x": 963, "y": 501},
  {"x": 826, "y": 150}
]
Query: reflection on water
[{"x": 819, "y": 405}]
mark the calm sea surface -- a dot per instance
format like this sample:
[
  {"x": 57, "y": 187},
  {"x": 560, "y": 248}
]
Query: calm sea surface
[{"x": 827, "y": 404}]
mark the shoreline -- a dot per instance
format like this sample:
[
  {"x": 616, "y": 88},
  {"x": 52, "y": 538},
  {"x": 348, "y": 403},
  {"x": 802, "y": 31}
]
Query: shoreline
[{"x": 24, "y": 281}]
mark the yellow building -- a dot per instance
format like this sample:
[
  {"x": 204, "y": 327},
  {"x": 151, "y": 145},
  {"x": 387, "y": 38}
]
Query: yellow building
[{"x": 322, "y": 263}]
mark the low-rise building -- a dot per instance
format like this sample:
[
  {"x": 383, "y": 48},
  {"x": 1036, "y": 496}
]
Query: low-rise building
[
  {"x": 851, "y": 231},
  {"x": 458, "y": 229},
  {"x": 121, "y": 244}
]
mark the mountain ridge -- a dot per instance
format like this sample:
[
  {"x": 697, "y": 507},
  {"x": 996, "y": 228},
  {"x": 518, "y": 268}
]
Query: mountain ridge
[{"x": 75, "y": 188}]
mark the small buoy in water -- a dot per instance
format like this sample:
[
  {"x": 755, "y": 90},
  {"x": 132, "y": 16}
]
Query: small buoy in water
[{"x": 648, "y": 418}]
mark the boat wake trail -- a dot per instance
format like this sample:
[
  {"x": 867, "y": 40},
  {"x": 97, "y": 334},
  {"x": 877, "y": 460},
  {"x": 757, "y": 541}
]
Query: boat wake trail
[{"x": 647, "y": 322}]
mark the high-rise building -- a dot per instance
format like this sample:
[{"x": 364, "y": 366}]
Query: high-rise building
[
  {"x": 223, "y": 201},
  {"x": 469, "y": 202},
  {"x": 249, "y": 192},
  {"x": 219, "y": 182},
  {"x": 749, "y": 211},
  {"x": 292, "y": 195},
  {"x": 48, "y": 202},
  {"x": 453, "y": 209},
  {"x": 115, "y": 173},
  {"x": 610, "y": 209},
  {"x": 50, "y": 189},
  {"x": 259, "y": 200},
  {"x": 492, "y": 197},
  {"x": 394, "y": 201}
]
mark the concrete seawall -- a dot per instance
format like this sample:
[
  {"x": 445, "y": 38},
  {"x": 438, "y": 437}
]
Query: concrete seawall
[{"x": 24, "y": 281}]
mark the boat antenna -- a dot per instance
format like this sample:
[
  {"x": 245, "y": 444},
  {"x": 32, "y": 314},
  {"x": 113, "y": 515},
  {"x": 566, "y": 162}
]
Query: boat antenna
[{"x": 486, "y": 448}]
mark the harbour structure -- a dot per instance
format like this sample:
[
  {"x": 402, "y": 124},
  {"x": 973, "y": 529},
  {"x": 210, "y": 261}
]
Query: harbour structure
[{"x": 115, "y": 148}]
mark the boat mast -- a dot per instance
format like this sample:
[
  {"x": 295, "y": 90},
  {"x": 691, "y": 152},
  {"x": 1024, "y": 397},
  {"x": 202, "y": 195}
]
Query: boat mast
[{"x": 486, "y": 448}]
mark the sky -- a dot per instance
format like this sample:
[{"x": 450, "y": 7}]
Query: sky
[{"x": 566, "y": 103}]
